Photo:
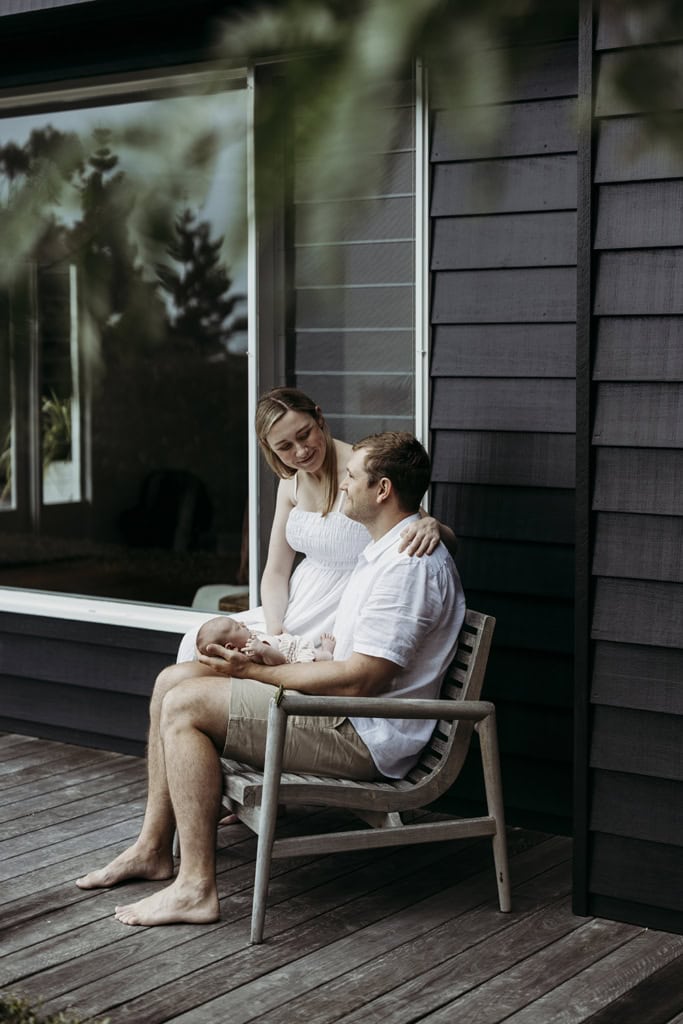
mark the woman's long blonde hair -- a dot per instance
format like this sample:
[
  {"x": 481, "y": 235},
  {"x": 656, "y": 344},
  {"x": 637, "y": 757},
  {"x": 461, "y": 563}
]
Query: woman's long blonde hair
[{"x": 272, "y": 407}]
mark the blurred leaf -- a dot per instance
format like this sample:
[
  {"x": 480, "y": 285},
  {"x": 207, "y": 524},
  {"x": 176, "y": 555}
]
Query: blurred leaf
[{"x": 341, "y": 64}]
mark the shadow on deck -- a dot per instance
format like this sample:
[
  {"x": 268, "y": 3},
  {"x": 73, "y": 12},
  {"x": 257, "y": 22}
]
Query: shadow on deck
[{"x": 390, "y": 936}]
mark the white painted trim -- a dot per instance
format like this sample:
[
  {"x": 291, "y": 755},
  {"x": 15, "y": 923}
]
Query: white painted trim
[
  {"x": 92, "y": 609},
  {"x": 76, "y": 403},
  {"x": 422, "y": 324},
  {"x": 252, "y": 345}
]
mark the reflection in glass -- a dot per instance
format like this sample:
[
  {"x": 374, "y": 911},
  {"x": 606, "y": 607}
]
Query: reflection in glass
[
  {"x": 6, "y": 408},
  {"x": 57, "y": 313},
  {"x": 123, "y": 372}
]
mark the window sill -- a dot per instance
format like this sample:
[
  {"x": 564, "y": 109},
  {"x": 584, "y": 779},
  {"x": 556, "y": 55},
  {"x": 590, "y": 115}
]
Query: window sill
[{"x": 165, "y": 618}]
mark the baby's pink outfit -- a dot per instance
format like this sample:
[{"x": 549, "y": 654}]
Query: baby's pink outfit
[{"x": 294, "y": 648}]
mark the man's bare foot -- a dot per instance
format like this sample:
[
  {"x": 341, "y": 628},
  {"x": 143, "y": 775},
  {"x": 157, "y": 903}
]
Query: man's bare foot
[
  {"x": 132, "y": 863},
  {"x": 176, "y": 904}
]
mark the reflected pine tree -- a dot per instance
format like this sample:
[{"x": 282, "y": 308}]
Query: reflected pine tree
[
  {"x": 119, "y": 291},
  {"x": 203, "y": 307}
]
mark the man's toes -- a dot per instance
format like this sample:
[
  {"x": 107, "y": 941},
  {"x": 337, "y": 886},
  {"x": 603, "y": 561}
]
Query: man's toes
[{"x": 125, "y": 915}]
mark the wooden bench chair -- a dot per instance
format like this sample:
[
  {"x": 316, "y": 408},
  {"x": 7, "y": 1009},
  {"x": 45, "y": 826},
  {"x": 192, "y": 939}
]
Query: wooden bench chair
[{"x": 253, "y": 796}]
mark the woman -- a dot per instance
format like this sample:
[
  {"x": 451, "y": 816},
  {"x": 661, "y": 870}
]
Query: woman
[{"x": 300, "y": 449}]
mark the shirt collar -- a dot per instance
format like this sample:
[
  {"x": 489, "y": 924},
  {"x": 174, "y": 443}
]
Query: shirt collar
[{"x": 378, "y": 547}]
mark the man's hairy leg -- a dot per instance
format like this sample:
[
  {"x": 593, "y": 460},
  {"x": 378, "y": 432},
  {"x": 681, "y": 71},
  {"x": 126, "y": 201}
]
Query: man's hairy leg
[
  {"x": 194, "y": 721},
  {"x": 151, "y": 855}
]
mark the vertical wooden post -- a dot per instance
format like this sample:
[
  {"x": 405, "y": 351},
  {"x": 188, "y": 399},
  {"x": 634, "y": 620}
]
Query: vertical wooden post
[{"x": 584, "y": 408}]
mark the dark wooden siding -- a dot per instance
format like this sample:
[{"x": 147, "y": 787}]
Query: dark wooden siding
[
  {"x": 503, "y": 261},
  {"x": 634, "y": 736},
  {"x": 79, "y": 682},
  {"x": 351, "y": 255}
]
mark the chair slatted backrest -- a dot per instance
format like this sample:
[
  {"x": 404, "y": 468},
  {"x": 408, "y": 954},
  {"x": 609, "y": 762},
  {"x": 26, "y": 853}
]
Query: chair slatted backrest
[{"x": 440, "y": 763}]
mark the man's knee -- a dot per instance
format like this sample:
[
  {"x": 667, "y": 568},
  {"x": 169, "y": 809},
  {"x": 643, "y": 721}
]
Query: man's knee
[
  {"x": 172, "y": 676},
  {"x": 177, "y": 701},
  {"x": 196, "y": 704}
]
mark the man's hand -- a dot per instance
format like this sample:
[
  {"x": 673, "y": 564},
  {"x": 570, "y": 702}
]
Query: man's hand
[
  {"x": 225, "y": 661},
  {"x": 420, "y": 537},
  {"x": 360, "y": 675}
]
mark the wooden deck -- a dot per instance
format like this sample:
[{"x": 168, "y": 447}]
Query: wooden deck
[{"x": 383, "y": 936}]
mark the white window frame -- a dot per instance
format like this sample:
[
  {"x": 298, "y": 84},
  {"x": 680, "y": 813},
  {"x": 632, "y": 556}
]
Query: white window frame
[
  {"x": 253, "y": 351},
  {"x": 422, "y": 270}
]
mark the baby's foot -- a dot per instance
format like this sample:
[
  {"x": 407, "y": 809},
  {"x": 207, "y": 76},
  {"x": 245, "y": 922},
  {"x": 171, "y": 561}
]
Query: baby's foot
[
  {"x": 262, "y": 652},
  {"x": 254, "y": 649},
  {"x": 327, "y": 643}
]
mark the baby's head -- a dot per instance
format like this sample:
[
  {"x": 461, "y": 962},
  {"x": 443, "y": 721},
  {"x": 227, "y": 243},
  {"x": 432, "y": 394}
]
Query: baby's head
[{"x": 222, "y": 630}]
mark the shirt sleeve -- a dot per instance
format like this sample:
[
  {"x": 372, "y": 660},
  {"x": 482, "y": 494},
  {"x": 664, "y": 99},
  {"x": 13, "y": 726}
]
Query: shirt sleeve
[{"x": 399, "y": 612}]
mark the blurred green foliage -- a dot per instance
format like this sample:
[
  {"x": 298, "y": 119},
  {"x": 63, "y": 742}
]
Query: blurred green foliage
[
  {"x": 336, "y": 65},
  {"x": 349, "y": 50},
  {"x": 15, "y": 1009},
  {"x": 149, "y": 275}
]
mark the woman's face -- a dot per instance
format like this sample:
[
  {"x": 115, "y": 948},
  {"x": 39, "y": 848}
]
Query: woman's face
[{"x": 298, "y": 441}]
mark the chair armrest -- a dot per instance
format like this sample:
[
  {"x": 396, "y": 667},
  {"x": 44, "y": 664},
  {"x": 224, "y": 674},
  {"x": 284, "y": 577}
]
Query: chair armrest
[{"x": 293, "y": 703}]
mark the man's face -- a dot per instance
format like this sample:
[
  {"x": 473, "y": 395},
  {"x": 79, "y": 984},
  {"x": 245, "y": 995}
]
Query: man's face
[{"x": 360, "y": 503}]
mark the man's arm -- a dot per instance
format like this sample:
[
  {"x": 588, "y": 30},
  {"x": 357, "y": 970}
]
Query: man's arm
[{"x": 361, "y": 675}]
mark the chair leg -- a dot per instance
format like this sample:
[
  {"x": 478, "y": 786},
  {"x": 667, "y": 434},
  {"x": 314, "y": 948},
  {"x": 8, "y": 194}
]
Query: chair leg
[
  {"x": 275, "y": 743},
  {"x": 488, "y": 739}
]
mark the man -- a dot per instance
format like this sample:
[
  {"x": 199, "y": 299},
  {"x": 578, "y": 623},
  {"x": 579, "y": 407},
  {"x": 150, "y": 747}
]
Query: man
[{"x": 396, "y": 631}]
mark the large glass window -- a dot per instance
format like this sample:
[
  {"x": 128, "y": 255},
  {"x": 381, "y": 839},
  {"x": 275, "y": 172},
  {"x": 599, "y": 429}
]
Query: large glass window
[{"x": 123, "y": 369}]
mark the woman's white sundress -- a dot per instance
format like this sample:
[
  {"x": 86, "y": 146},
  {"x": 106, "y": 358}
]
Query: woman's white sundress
[{"x": 331, "y": 545}]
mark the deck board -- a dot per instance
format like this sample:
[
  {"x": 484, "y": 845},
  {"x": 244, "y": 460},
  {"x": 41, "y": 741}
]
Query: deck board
[
  {"x": 368, "y": 965},
  {"x": 390, "y": 936}
]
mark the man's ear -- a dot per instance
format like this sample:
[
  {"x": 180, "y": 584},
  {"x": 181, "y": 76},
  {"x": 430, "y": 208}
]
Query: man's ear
[{"x": 384, "y": 489}]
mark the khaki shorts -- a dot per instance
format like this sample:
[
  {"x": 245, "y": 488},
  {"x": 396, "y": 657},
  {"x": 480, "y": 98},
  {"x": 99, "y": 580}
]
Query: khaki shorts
[{"x": 321, "y": 746}]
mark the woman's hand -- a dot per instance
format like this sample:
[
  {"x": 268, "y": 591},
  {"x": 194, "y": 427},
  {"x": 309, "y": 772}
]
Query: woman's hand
[{"x": 420, "y": 537}]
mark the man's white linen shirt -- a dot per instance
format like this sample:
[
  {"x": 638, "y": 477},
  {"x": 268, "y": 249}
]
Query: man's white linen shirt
[{"x": 407, "y": 610}]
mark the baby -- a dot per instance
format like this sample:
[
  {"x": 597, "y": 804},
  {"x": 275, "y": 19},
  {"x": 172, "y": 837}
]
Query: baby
[{"x": 260, "y": 647}]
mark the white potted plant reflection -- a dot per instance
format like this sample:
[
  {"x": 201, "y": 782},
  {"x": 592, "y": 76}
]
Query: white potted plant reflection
[{"x": 58, "y": 469}]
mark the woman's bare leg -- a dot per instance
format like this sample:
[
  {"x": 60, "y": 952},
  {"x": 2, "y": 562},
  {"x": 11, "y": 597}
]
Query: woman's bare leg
[{"x": 150, "y": 856}]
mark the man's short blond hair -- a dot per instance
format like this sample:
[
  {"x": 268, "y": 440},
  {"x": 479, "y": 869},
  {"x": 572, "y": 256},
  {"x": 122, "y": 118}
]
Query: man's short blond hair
[{"x": 398, "y": 456}]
